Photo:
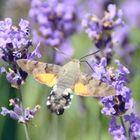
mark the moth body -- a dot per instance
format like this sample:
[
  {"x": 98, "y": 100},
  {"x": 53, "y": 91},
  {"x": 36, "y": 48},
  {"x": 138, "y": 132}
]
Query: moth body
[
  {"x": 65, "y": 80},
  {"x": 60, "y": 97},
  {"x": 68, "y": 76}
]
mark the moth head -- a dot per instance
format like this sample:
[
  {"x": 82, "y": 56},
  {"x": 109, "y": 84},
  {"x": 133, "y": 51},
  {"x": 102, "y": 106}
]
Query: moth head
[{"x": 57, "y": 103}]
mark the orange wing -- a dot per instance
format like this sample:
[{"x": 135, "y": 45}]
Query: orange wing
[
  {"x": 88, "y": 86},
  {"x": 81, "y": 89},
  {"x": 47, "y": 79},
  {"x": 43, "y": 72}
]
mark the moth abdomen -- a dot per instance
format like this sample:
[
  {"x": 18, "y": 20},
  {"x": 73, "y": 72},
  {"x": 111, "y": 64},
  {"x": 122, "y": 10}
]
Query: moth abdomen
[{"x": 58, "y": 102}]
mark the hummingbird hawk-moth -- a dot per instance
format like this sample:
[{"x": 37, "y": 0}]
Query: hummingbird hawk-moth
[{"x": 65, "y": 80}]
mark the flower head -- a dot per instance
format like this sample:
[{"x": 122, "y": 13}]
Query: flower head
[
  {"x": 18, "y": 113},
  {"x": 95, "y": 27},
  {"x": 117, "y": 131},
  {"x": 100, "y": 29},
  {"x": 15, "y": 43},
  {"x": 56, "y": 21},
  {"x": 134, "y": 125},
  {"x": 122, "y": 101}
]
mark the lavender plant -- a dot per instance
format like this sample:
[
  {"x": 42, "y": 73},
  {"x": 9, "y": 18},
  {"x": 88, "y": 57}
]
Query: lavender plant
[
  {"x": 56, "y": 22},
  {"x": 100, "y": 29},
  {"x": 52, "y": 25},
  {"x": 19, "y": 113},
  {"x": 15, "y": 43},
  {"x": 115, "y": 106}
]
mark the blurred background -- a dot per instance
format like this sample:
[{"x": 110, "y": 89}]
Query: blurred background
[{"x": 83, "y": 120}]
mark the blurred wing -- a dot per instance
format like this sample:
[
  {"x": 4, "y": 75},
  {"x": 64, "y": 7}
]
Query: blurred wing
[
  {"x": 88, "y": 86},
  {"x": 47, "y": 79},
  {"x": 43, "y": 72}
]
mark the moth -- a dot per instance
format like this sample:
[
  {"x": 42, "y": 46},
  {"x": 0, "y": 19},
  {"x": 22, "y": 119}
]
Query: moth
[{"x": 65, "y": 80}]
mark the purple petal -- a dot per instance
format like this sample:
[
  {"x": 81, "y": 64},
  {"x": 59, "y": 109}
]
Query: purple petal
[
  {"x": 112, "y": 10},
  {"x": 23, "y": 24},
  {"x": 4, "y": 111}
]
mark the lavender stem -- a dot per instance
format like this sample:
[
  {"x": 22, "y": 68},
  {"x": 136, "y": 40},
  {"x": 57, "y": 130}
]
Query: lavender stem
[
  {"x": 25, "y": 125},
  {"x": 123, "y": 125}
]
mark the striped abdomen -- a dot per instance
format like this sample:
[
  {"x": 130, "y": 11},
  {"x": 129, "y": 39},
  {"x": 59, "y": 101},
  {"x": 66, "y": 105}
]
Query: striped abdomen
[{"x": 68, "y": 76}]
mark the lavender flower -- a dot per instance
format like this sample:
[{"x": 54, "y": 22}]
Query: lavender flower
[
  {"x": 134, "y": 125},
  {"x": 15, "y": 43},
  {"x": 117, "y": 131},
  {"x": 122, "y": 101},
  {"x": 56, "y": 21},
  {"x": 96, "y": 27},
  {"x": 100, "y": 30},
  {"x": 14, "y": 78},
  {"x": 18, "y": 113}
]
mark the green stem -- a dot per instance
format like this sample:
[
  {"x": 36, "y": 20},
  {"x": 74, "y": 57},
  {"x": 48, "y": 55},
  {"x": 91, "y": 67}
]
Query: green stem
[
  {"x": 26, "y": 131},
  {"x": 25, "y": 125},
  {"x": 123, "y": 125},
  {"x": 99, "y": 124}
]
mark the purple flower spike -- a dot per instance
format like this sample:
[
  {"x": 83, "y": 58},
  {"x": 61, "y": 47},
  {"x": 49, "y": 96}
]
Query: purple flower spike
[
  {"x": 134, "y": 125},
  {"x": 18, "y": 113},
  {"x": 100, "y": 30},
  {"x": 117, "y": 79},
  {"x": 95, "y": 27},
  {"x": 15, "y": 43},
  {"x": 117, "y": 131},
  {"x": 56, "y": 21}
]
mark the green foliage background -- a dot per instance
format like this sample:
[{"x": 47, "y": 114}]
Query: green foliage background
[{"x": 80, "y": 122}]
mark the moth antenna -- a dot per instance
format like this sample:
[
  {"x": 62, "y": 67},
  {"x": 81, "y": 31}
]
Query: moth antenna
[
  {"x": 87, "y": 64},
  {"x": 58, "y": 50},
  {"x": 89, "y": 54}
]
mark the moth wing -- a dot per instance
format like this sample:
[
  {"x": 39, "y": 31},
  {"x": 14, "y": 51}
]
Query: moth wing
[
  {"x": 43, "y": 72},
  {"x": 89, "y": 86}
]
